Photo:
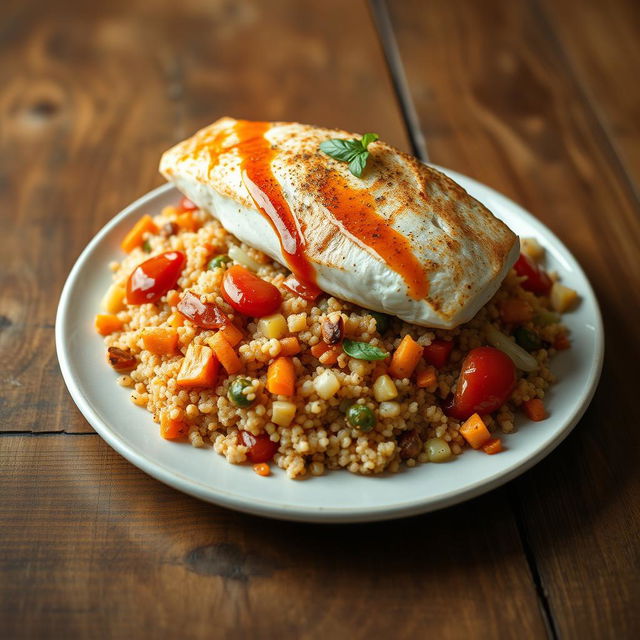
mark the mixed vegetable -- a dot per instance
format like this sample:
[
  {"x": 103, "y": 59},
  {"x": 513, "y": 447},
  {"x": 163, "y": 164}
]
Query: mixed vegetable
[{"x": 487, "y": 376}]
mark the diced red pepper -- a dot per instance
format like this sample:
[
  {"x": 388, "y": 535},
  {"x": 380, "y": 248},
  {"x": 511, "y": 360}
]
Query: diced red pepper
[
  {"x": 536, "y": 279},
  {"x": 438, "y": 352},
  {"x": 187, "y": 205},
  {"x": 261, "y": 448}
]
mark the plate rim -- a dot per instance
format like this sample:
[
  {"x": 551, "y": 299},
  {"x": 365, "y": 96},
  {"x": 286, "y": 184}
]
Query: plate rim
[{"x": 277, "y": 510}]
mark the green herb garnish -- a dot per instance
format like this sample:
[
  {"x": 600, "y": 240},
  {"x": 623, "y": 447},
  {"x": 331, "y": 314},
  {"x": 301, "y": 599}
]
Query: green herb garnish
[
  {"x": 362, "y": 350},
  {"x": 352, "y": 151}
]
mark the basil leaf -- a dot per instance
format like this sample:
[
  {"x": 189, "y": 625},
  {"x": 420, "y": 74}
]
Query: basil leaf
[
  {"x": 352, "y": 151},
  {"x": 357, "y": 165},
  {"x": 339, "y": 149},
  {"x": 363, "y": 350},
  {"x": 367, "y": 139}
]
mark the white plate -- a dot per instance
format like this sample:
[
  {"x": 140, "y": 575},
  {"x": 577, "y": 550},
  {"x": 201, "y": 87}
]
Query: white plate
[{"x": 338, "y": 496}]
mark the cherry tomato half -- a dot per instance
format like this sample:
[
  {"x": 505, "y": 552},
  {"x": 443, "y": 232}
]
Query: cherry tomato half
[
  {"x": 206, "y": 315},
  {"x": 437, "y": 353},
  {"x": 487, "y": 378},
  {"x": 261, "y": 448},
  {"x": 150, "y": 280},
  {"x": 187, "y": 205},
  {"x": 248, "y": 294},
  {"x": 537, "y": 280}
]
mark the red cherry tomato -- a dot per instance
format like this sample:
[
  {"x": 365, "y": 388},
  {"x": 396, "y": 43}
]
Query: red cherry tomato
[
  {"x": 487, "y": 378},
  {"x": 248, "y": 294},
  {"x": 537, "y": 281},
  {"x": 437, "y": 353},
  {"x": 261, "y": 448},
  {"x": 206, "y": 315},
  {"x": 187, "y": 205},
  {"x": 150, "y": 280}
]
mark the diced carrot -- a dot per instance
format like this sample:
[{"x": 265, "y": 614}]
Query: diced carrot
[
  {"x": 330, "y": 356},
  {"x": 186, "y": 221},
  {"x": 135, "y": 237},
  {"x": 426, "y": 377},
  {"x": 232, "y": 334},
  {"x": 176, "y": 320},
  {"x": 281, "y": 377},
  {"x": 225, "y": 353},
  {"x": 492, "y": 445},
  {"x": 173, "y": 297},
  {"x": 262, "y": 469},
  {"x": 534, "y": 409},
  {"x": 405, "y": 358},
  {"x": 515, "y": 311},
  {"x": 163, "y": 341},
  {"x": 475, "y": 431},
  {"x": 318, "y": 349},
  {"x": 289, "y": 346},
  {"x": 561, "y": 342},
  {"x": 107, "y": 323},
  {"x": 199, "y": 367},
  {"x": 172, "y": 429}
]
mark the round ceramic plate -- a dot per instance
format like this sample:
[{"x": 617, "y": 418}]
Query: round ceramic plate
[{"x": 338, "y": 496}]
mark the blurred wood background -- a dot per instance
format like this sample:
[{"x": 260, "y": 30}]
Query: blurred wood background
[{"x": 537, "y": 98}]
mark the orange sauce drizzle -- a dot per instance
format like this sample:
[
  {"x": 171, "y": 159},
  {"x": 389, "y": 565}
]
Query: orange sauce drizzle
[
  {"x": 355, "y": 210},
  {"x": 256, "y": 153}
]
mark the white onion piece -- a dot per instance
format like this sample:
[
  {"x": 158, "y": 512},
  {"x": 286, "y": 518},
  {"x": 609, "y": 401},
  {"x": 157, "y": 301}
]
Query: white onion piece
[
  {"x": 521, "y": 358},
  {"x": 242, "y": 257}
]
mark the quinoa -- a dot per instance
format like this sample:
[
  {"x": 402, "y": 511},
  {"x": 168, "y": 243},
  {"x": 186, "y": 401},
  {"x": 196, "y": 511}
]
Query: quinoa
[{"x": 319, "y": 438}]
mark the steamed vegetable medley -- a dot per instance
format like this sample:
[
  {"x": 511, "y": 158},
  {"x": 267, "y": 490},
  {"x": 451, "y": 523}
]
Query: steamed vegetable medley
[{"x": 228, "y": 349}]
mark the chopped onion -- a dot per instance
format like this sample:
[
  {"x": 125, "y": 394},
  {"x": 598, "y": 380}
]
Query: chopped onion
[
  {"x": 523, "y": 360},
  {"x": 242, "y": 257}
]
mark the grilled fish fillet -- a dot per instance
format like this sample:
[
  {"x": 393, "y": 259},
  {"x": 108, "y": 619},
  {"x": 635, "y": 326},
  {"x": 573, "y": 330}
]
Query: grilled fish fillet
[{"x": 403, "y": 239}]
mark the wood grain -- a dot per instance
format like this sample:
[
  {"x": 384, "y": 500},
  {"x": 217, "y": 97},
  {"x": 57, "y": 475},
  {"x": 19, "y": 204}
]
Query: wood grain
[
  {"x": 94, "y": 548},
  {"x": 498, "y": 100},
  {"x": 600, "y": 41},
  {"x": 92, "y": 93}
]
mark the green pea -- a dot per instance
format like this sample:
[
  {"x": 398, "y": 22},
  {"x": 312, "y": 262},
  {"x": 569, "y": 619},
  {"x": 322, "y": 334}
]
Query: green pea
[
  {"x": 218, "y": 261},
  {"x": 146, "y": 246},
  {"x": 235, "y": 392},
  {"x": 383, "y": 321},
  {"x": 527, "y": 339},
  {"x": 360, "y": 416}
]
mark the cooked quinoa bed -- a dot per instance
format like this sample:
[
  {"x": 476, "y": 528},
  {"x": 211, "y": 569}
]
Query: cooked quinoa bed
[{"x": 319, "y": 437}]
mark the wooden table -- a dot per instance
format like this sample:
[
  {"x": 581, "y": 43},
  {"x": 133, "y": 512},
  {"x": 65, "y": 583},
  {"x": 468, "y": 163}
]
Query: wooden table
[{"x": 536, "y": 98}]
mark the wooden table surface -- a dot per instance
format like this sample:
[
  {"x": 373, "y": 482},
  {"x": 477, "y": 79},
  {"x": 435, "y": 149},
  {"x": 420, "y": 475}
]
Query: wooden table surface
[{"x": 537, "y": 98}]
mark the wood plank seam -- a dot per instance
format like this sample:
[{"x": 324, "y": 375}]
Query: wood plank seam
[
  {"x": 536, "y": 577},
  {"x": 395, "y": 69},
  {"x": 382, "y": 22}
]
